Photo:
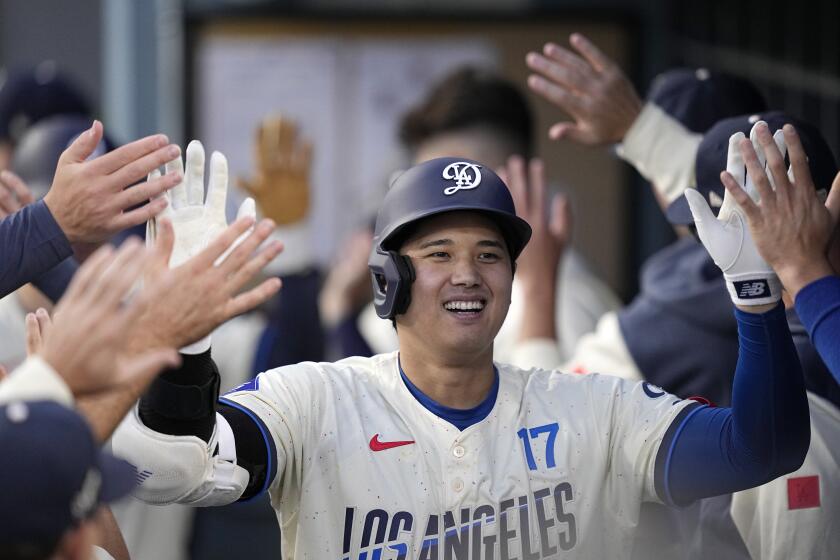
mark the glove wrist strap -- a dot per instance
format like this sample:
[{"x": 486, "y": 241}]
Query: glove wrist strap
[{"x": 753, "y": 288}]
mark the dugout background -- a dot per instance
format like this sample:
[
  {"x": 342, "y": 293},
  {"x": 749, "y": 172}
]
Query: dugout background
[{"x": 136, "y": 60}]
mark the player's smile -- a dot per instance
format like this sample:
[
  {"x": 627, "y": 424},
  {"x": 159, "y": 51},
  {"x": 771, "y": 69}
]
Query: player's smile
[{"x": 461, "y": 293}]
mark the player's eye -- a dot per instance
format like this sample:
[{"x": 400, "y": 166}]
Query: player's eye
[
  {"x": 438, "y": 255},
  {"x": 489, "y": 257}
]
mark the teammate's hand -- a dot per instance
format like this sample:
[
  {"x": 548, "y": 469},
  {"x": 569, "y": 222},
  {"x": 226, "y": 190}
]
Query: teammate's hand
[
  {"x": 551, "y": 227},
  {"x": 90, "y": 199},
  {"x": 14, "y": 194},
  {"x": 184, "y": 304},
  {"x": 727, "y": 238},
  {"x": 790, "y": 225},
  {"x": 281, "y": 185},
  {"x": 590, "y": 88},
  {"x": 38, "y": 325},
  {"x": 86, "y": 341}
]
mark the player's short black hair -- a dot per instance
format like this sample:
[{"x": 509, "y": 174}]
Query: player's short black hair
[{"x": 471, "y": 97}]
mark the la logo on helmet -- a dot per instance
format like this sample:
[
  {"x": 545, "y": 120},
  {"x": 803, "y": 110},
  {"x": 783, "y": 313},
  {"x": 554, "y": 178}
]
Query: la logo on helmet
[{"x": 465, "y": 174}]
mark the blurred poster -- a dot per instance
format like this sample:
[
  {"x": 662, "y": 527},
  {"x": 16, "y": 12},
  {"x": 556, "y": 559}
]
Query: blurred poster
[{"x": 347, "y": 96}]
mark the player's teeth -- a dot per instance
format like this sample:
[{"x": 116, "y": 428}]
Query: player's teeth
[{"x": 464, "y": 305}]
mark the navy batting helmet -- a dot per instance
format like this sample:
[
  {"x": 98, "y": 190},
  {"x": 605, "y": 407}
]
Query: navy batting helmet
[
  {"x": 430, "y": 188},
  {"x": 36, "y": 156}
]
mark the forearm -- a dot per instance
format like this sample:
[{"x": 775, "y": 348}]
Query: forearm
[
  {"x": 662, "y": 151},
  {"x": 763, "y": 435},
  {"x": 31, "y": 243},
  {"x": 184, "y": 402},
  {"x": 540, "y": 300},
  {"x": 818, "y": 307}
]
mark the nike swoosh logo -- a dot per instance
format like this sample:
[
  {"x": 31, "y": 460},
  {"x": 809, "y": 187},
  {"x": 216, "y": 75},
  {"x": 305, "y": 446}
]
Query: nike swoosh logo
[{"x": 376, "y": 445}]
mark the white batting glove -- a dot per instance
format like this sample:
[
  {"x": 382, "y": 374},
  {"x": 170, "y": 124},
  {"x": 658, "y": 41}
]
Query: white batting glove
[
  {"x": 197, "y": 221},
  {"x": 750, "y": 280}
]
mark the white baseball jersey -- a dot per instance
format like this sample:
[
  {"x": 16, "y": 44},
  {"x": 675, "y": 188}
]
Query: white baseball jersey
[
  {"x": 559, "y": 468},
  {"x": 798, "y": 515}
]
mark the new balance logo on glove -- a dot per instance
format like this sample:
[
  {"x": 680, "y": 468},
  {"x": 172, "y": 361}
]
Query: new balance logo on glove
[{"x": 751, "y": 289}]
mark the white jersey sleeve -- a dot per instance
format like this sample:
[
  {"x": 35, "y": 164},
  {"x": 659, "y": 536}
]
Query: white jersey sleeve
[{"x": 635, "y": 416}]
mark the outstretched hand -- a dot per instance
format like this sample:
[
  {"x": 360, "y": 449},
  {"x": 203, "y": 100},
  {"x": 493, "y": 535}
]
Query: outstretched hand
[
  {"x": 186, "y": 303},
  {"x": 551, "y": 227},
  {"x": 790, "y": 225},
  {"x": 91, "y": 200},
  {"x": 589, "y": 87},
  {"x": 87, "y": 339}
]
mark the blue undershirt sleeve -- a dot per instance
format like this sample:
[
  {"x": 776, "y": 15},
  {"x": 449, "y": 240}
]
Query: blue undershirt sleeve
[
  {"x": 31, "y": 243},
  {"x": 818, "y": 307},
  {"x": 765, "y": 434}
]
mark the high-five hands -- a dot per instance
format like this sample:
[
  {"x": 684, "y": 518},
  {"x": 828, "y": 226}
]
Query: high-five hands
[
  {"x": 87, "y": 340},
  {"x": 210, "y": 260},
  {"x": 790, "y": 225},
  {"x": 91, "y": 199},
  {"x": 750, "y": 279}
]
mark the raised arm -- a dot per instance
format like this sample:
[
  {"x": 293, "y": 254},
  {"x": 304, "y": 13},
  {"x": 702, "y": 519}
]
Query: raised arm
[
  {"x": 606, "y": 109},
  {"x": 796, "y": 234},
  {"x": 89, "y": 200},
  {"x": 766, "y": 432}
]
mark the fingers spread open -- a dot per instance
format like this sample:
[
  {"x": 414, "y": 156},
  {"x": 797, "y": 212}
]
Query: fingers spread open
[
  {"x": 218, "y": 246},
  {"x": 124, "y": 155},
  {"x": 33, "y": 335},
  {"x": 179, "y": 191},
  {"x": 561, "y": 225},
  {"x": 740, "y": 196},
  {"x": 143, "y": 192},
  {"x": 556, "y": 94},
  {"x": 217, "y": 186},
  {"x": 257, "y": 262},
  {"x": 516, "y": 182},
  {"x": 799, "y": 162},
  {"x": 776, "y": 169},
  {"x": 599, "y": 61},
  {"x": 139, "y": 215},
  {"x": 252, "y": 298},
  {"x": 140, "y": 168},
  {"x": 195, "y": 173},
  {"x": 246, "y": 246},
  {"x": 566, "y": 76},
  {"x": 536, "y": 181},
  {"x": 83, "y": 146},
  {"x": 757, "y": 184}
]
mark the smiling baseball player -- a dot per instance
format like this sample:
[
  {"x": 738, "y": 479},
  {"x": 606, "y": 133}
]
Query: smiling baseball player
[{"x": 437, "y": 452}]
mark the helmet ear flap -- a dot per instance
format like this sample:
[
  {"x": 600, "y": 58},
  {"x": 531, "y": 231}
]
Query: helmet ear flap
[
  {"x": 405, "y": 270},
  {"x": 392, "y": 275}
]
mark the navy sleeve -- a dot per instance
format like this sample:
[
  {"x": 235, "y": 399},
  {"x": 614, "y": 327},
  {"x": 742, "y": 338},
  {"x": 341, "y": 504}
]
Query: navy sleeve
[
  {"x": 294, "y": 333},
  {"x": 31, "y": 243},
  {"x": 765, "y": 434},
  {"x": 818, "y": 307},
  {"x": 54, "y": 282}
]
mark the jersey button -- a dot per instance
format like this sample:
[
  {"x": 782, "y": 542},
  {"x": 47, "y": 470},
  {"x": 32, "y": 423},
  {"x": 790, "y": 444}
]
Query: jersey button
[
  {"x": 458, "y": 485},
  {"x": 459, "y": 451}
]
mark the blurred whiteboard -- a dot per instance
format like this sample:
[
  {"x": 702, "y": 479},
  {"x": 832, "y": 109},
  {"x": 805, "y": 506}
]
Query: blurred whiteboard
[{"x": 347, "y": 95}]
